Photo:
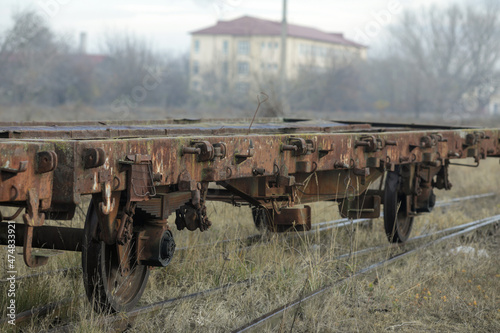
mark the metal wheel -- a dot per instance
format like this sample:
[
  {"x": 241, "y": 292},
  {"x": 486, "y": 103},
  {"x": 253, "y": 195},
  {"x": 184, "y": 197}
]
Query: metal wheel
[
  {"x": 396, "y": 223},
  {"x": 110, "y": 287}
]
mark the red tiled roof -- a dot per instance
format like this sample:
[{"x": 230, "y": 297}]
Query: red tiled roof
[{"x": 251, "y": 26}]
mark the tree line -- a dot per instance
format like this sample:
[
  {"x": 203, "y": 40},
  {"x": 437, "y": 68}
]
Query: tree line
[
  {"x": 39, "y": 67},
  {"x": 437, "y": 60}
]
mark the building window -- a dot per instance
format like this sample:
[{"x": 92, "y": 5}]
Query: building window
[
  {"x": 305, "y": 49},
  {"x": 242, "y": 88},
  {"x": 262, "y": 46},
  {"x": 276, "y": 45},
  {"x": 243, "y": 47},
  {"x": 196, "y": 85},
  {"x": 225, "y": 68},
  {"x": 196, "y": 67},
  {"x": 243, "y": 68},
  {"x": 196, "y": 46},
  {"x": 270, "y": 66},
  {"x": 225, "y": 47}
]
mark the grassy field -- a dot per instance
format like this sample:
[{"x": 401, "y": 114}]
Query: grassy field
[
  {"x": 82, "y": 112},
  {"x": 443, "y": 288}
]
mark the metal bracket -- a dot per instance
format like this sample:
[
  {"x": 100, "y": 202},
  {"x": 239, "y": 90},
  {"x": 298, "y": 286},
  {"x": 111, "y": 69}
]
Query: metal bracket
[
  {"x": 362, "y": 207},
  {"x": 432, "y": 140},
  {"x": 325, "y": 151},
  {"x": 23, "y": 166},
  {"x": 47, "y": 161},
  {"x": 193, "y": 214},
  {"x": 292, "y": 217},
  {"x": 205, "y": 150},
  {"x": 242, "y": 156},
  {"x": 140, "y": 177},
  {"x": 473, "y": 139},
  {"x": 299, "y": 146},
  {"x": 93, "y": 157},
  {"x": 32, "y": 219}
]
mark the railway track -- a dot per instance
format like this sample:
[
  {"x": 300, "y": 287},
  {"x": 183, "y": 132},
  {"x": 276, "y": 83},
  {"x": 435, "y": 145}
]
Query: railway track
[
  {"x": 121, "y": 322},
  {"x": 276, "y": 315}
]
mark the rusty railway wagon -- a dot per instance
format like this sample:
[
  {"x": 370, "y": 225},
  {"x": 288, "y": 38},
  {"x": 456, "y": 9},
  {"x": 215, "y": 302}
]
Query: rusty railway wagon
[{"x": 140, "y": 173}]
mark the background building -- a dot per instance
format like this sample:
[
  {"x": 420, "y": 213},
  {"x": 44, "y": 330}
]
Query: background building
[{"x": 246, "y": 50}]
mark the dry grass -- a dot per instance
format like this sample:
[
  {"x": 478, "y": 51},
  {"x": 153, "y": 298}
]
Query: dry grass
[
  {"x": 82, "y": 112},
  {"x": 431, "y": 291}
]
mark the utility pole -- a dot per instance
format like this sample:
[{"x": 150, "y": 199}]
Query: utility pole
[{"x": 284, "y": 32}]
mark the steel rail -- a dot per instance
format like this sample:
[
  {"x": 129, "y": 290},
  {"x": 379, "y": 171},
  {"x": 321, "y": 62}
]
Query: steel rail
[
  {"x": 42, "y": 310},
  {"x": 272, "y": 315},
  {"x": 466, "y": 198},
  {"x": 411, "y": 240},
  {"x": 123, "y": 321},
  {"x": 59, "y": 305}
]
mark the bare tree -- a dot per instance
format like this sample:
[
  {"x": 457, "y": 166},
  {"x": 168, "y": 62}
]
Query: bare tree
[
  {"x": 27, "y": 56},
  {"x": 174, "y": 91},
  {"x": 130, "y": 59},
  {"x": 451, "y": 54},
  {"x": 34, "y": 63},
  {"x": 333, "y": 86},
  {"x": 39, "y": 67}
]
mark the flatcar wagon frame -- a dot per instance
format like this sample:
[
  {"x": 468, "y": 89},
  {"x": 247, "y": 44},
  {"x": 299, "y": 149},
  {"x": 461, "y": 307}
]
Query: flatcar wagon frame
[{"x": 139, "y": 173}]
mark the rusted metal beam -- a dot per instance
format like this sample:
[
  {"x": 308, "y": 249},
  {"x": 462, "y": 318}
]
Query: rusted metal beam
[
  {"x": 86, "y": 165},
  {"x": 46, "y": 237}
]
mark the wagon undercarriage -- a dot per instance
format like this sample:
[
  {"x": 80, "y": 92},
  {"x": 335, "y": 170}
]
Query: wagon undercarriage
[{"x": 139, "y": 174}]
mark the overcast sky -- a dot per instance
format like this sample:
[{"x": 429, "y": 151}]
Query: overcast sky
[{"x": 167, "y": 23}]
